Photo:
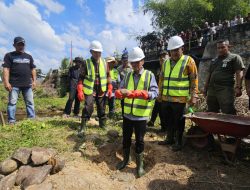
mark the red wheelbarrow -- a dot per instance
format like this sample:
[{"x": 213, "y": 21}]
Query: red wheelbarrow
[{"x": 222, "y": 125}]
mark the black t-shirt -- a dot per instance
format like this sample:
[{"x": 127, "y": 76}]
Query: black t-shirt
[
  {"x": 20, "y": 65},
  {"x": 248, "y": 73}
]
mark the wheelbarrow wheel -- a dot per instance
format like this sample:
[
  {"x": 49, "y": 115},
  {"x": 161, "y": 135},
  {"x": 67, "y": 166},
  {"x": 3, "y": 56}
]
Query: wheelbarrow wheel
[{"x": 197, "y": 137}]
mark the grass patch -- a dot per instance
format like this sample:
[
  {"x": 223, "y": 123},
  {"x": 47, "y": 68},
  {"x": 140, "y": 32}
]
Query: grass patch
[
  {"x": 42, "y": 103},
  {"x": 51, "y": 133}
]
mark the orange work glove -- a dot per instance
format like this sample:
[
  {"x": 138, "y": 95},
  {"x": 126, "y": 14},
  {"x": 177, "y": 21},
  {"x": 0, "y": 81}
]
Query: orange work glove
[
  {"x": 141, "y": 94},
  {"x": 80, "y": 94},
  {"x": 110, "y": 90},
  {"x": 118, "y": 94},
  {"x": 131, "y": 94}
]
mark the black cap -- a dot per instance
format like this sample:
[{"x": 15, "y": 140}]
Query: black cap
[
  {"x": 78, "y": 59},
  {"x": 125, "y": 56},
  {"x": 19, "y": 40}
]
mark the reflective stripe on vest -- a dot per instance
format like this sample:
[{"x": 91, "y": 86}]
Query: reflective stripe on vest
[
  {"x": 114, "y": 75},
  {"x": 175, "y": 82},
  {"x": 138, "y": 107},
  {"x": 88, "y": 83}
]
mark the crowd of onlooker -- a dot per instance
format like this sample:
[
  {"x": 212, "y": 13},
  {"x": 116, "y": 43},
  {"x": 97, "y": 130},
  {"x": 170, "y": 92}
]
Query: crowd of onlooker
[{"x": 197, "y": 36}]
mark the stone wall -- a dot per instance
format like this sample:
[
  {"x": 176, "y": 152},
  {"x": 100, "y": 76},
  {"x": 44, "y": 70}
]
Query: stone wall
[{"x": 239, "y": 37}]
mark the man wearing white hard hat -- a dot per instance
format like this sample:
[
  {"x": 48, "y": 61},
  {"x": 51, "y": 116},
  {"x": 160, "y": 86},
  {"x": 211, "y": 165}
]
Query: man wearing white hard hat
[
  {"x": 178, "y": 85},
  {"x": 94, "y": 82},
  {"x": 138, "y": 88}
]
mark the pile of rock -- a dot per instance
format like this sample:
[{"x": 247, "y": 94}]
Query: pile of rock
[{"x": 29, "y": 166}]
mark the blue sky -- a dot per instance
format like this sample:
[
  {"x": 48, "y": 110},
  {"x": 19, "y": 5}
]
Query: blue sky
[{"x": 49, "y": 26}]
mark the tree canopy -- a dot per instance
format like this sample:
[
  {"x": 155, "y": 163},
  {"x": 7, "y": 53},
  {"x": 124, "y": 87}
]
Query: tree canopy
[{"x": 185, "y": 14}]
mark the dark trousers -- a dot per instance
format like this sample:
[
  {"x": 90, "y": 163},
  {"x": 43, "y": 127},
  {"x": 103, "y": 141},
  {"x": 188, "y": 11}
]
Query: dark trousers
[
  {"x": 111, "y": 103},
  {"x": 72, "y": 97},
  {"x": 122, "y": 105},
  {"x": 221, "y": 99},
  {"x": 140, "y": 129},
  {"x": 157, "y": 110},
  {"x": 173, "y": 113},
  {"x": 89, "y": 106}
]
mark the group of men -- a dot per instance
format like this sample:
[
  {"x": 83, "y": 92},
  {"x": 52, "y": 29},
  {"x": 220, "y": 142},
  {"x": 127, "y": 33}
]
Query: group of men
[{"x": 95, "y": 80}]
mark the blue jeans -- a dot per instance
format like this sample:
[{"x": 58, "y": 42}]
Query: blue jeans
[{"x": 28, "y": 99}]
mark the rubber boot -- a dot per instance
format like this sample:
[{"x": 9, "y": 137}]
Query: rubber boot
[
  {"x": 140, "y": 165},
  {"x": 169, "y": 139},
  {"x": 126, "y": 159},
  {"x": 102, "y": 122},
  {"x": 178, "y": 145},
  {"x": 82, "y": 129}
]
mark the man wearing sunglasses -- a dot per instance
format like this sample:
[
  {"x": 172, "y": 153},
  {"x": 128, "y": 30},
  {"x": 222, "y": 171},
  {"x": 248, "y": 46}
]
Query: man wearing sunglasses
[{"x": 19, "y": 75}]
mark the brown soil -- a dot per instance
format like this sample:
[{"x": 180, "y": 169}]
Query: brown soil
[{"x": 93, "y": 167}]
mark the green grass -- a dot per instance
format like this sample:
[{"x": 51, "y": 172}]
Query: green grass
[
  {"x": 42, "y": 102},
  {"x": 53, "y": 132}
]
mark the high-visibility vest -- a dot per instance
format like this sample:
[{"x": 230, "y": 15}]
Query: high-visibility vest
[
  {"x": 88, "y": 83},
  {"x": 138, "y": 107},
  {"x": 114, "y": 74},
  {"x": 175, "y": 82}
]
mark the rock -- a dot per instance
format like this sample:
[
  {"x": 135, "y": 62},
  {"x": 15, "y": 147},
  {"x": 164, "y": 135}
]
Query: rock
[
  {"x": 57, "y": 165},
  {"x": 113, "y": 134},
  {"x": 8, "y": 182},
  {"x": 37, "y": 176},
  {"x": 42, "y": 186},
  {"x": 8, "y": 166},
  {"x": 41, "y": 155},
  {"x": 22, "y": 155},
  {"x": 23, "y": 173}
]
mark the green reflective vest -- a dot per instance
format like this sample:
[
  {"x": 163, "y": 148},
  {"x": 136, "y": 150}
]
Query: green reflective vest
[
  {"x": 138, "y": 107},
  {"x": 175, "y": 82},
  {"x": 88, "y": 83},
  {"x": 114, "y": 75}
]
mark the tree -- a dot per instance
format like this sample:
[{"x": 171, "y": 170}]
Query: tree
[
  {"x": 65, "y": 63},
  {"x": 181, "y": 15}
]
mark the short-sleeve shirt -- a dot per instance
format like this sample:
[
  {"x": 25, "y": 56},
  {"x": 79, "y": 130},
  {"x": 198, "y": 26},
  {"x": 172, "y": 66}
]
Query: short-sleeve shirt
[
  {"x": 222, "y": 70},
  {"x": 20, "y": 65}
]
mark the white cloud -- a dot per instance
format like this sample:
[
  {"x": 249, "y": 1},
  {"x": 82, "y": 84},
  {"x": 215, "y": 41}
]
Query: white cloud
[
  {"x": 51, "y": 6},
  {"x": 128, "y": 17},
  {"x": 84, "y": 6},
  {"x": 126, "y": 22},
  {"x": 80, "y": 45},
  {"x": 21, "y": 18},
  {"x": 115, "y": 39}
]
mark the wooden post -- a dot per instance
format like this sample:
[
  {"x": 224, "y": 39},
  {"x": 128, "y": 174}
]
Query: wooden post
[{"x": 2, "y": 118}]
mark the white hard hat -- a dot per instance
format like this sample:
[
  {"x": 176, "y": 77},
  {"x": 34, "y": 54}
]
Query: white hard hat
[
  {"x": 175, "y": 42},
  {"x": 136, "y": 54},
  {"x": 96, "y": 46}
]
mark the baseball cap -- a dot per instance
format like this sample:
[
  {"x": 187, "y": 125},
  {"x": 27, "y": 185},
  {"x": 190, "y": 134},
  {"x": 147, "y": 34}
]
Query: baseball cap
[{"x": 19, "y": 39}]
